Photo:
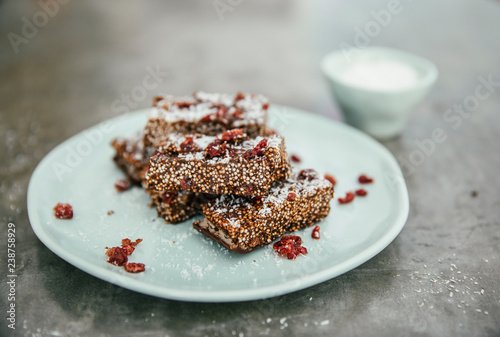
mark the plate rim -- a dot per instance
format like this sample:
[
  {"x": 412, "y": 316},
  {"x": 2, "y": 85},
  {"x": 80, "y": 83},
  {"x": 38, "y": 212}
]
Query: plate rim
[{"x": 221, "y": 296}]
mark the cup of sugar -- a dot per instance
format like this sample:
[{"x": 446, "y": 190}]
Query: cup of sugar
[{"x": 377, "y": 88}]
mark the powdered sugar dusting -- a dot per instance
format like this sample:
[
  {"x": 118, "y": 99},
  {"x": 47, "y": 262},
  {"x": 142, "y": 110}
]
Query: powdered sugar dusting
[
  {"x": 203, "y": 104},
  {"x": 277, "y": 195},
  {"x": 202, "y": 142}
]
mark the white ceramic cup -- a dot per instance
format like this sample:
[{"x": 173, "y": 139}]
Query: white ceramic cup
[{"x": 380, "y": 112}]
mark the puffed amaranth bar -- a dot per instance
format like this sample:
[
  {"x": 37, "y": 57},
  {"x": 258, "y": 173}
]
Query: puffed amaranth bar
[
  {"x": 244, "y": 224},
  {"x": 229, "y": 163}
]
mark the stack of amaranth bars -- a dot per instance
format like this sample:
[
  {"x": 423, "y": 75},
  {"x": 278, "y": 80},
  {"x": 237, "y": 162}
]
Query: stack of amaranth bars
[{"x": 212, "y": 154}]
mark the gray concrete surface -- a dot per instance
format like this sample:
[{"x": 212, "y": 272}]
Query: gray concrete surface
[{"x": 440, "y": 277}]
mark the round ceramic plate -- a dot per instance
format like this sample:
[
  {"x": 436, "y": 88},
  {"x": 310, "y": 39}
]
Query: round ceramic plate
[{"x": 183, "y": 264}]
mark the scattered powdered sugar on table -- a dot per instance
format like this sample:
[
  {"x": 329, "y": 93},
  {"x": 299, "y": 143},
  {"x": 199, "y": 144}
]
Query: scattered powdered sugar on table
[{"x": 462, "y": 290}]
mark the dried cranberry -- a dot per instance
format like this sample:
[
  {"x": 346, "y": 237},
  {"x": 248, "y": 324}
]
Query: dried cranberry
[
  {"x": 256, "y": 198},
  {"x": 63, "y": 211},
  {"x": 168, "y": 196},
  {"x": 289, "y": 246},
  {"x": 291, "y": 196},
  {"x": 207, "y": 118},
  {"x": 117, "y": 256},
  {"x": 295, "y": 158},
  {"x": 122, "y": 185},
  {"x": 188, "y": 145},
  {"x": 133, "y": 267},
  {"x": 302, "y": 250},
  {"x": 230, "y": 135},
  {"x": 331, "y": 179},
  {"x": 221, "y": 113},
  {"x": 130, "y": 242},
  {"x": 348, "y": 198},
  {"x": 248, "y": 189},
  {"x": 361, "y": 192},
  {"x": 239, "y": 96},
  {"x": 211, "y": 151},
  {"x": 183, "y": 104},
  {"x": 363, "y": 179},
  {"x": 128, "y": 249},
  {"x": 265, "y": 106},
  {"x": 315, "y": 233},
  {"x": 308, "y": 174},
  {"x": 186, "y": 183},
  {"x": 260, "y": 147},
  {"x": 237, "y": 114},
  {"x": 257, "y": 151}
]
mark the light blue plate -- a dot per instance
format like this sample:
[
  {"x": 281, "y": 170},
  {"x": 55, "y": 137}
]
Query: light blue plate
[{"x": 181, "y": 263}]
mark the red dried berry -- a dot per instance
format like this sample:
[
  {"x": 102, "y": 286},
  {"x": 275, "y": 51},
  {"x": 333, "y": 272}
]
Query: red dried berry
[
  {"x": 122, "y": 185},
  {"x": 315, "y": 233},
  {"x": 256, "y": 198},
  {"x": 128, "y": 249},
  {"x": 348, "y": 198},
  {"x": 331, "y": 179},
  {"x": 289, "y": 246},
  {"x": 128, "y": 242},
  {"x": 291, "y": 196},
  {"x": 207, "y": 118},
  {"x": 186, "y": 183},
  {"x": 230, "y": 135},
  {"x": 248, "y": 189},
  {"x": 295, "y": 158},
  {"x": 237, "y": 114},
  {"x": 257, "y": 151},
  {"x": 361, "y": 192},
  {"x": 265, "y": 106},
  {"x": 223, "y": 149},
  {"x": 133, "y": 267},
  {"x": 239, "y": 96},
  {"x": 221, "y": 113},
  {"x": 168, "y": 196},
  {"x": 308, "y": 174},
  {"x": 63, "y": 211},
  {"x": 363, "y": 179},
  {"x": 211, "y": 151},
  {"x": 188, "y": 145},
  {"x": 183, "y": 104},
  {"x": 117, "y": 256}
]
